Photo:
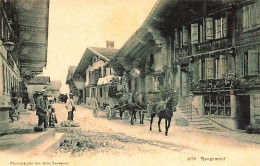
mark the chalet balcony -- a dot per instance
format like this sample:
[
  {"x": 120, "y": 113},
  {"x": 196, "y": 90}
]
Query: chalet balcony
[
  {"x": 210, "y": 85},
  {"x": 227, "y": 83},
  {"x": 183, "y": 52},
  {"x": 213, "y": 45}
]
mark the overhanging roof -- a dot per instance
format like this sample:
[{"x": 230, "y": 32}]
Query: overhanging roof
[
  {"x": 105, "y": 54},
  {"x": 33, "y": 20},
  {"x": 160, "y": 23}
]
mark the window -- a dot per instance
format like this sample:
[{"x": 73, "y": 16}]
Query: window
[
  {"x": 217, "y": 68},
  {"x": 202, "y": 68},
  {"x": 3, "y": 71},
  {"x": 87, "y": 92},
  {"x": 100, "y": 92},
  {"x": 251, "y": 16},
  {"x": 176, "y": 38},
  {"x": 94, "y": 59},
  {"x": 245, "y": 64},
  {"x": 197, "y": 33},
  {"x": 194, "y": 33},
  {"x": 99, "y": 72},
  {"x": 217, "y": 105},
  {"x": 251, "y": 62},
  {"x": 220, "y": 27},
  {"x": 209, "y": 28},
  {"x": 209, "y": 62},
  {"x": 93, "y": 92},
  {"x": 157, "y": 83},
  {"x": 104, "y": 71},
  {"x": 2, "y": 26},
  {"x": 213, "y": 68},
  {"x": 185, "y": 35},
  {"x": 9, "y": 81},
  {"x": 6, "y": 80}
]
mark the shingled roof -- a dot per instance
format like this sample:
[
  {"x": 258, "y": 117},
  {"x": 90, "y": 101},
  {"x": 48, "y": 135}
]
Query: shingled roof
[
  {"x": 106, "y": 52},
  {"x": 40, "y": 80},
  {"x": 55, "y": 85}
]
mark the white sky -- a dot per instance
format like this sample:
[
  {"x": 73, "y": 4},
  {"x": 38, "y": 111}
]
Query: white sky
[{"x": 77, "y": 24}]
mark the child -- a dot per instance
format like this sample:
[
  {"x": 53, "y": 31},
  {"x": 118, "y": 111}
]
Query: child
[{"x": 53, "y": 118}]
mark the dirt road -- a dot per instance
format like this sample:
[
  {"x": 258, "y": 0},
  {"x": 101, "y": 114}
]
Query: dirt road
[{"x": 117, "y": 141}]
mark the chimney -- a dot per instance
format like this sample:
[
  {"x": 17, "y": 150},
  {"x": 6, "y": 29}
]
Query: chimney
[{"x": 110, "y": 44}]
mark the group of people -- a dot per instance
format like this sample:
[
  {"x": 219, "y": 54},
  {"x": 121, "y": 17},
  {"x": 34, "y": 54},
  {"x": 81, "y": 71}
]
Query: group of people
[{"x": 46, "y": 113}]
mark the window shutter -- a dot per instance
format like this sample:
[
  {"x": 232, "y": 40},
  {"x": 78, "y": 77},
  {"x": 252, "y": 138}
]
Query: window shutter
[
  {"x": 245, "y": 11},
  {"x": 224, "y": 26},
  {"x": 252, "y": 10},
  {"x": 222, "y": 66},
  {"x": 253, "y": 62},
  {"x": 176, "y": 38},
  {"x": 209, "y": 28},
  {"x": 185, "y": 35},
  {"x": 210, "y": 68},
  {"x": 200, "y": 69},
  {"x": 201, "y": 34},
  {"x": 217, "y": 68},
  {"x": 257, "y": 14},
  {"x": 218, "y": 28},
  {"x": 194, "y": 33},
  {"x": 196, "y": 71}
]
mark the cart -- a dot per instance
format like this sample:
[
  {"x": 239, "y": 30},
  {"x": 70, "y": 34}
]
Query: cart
[{"x": 109, "y": 91}]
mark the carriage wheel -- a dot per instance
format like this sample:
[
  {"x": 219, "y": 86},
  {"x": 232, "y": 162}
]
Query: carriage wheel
[
  {"x": 95, "y": 108},
  {"x": 126, "y": 114},
  {"x": 108, "y": 112}
]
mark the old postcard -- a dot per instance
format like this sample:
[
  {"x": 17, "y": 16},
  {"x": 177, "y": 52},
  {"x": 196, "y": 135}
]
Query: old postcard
[{"x": 129, "y": 82}]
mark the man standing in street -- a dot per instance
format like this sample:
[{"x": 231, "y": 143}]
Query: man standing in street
[
  {"x": 25, "y": 99},
  {"x": 41, "y": 110}
]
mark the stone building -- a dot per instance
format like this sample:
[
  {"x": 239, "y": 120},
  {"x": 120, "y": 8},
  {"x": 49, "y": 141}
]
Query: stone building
[
  {"x": 23, "y": 47},
  {"x": 90, "y": 68}
]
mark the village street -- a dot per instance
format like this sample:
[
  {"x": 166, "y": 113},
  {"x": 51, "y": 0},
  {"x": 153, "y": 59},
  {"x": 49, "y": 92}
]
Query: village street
[{"x": 115, "y": 139}]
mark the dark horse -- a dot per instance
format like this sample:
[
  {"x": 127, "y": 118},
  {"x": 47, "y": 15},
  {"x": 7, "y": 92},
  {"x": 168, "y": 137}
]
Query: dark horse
[
  {"x": 127, "y": 102},
  {"x": 163, "y": 114}
]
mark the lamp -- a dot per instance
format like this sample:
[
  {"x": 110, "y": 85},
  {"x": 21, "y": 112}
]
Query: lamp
[{"x": 9, "y": 46}]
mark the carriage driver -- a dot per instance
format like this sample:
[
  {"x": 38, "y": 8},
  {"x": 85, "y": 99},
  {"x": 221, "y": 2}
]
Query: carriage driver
[{"x": 169, "y": 105}]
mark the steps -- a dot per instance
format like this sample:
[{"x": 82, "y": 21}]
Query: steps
[
  {"x": 36, "y": 143},
  {"x": 193, "y": 116}
]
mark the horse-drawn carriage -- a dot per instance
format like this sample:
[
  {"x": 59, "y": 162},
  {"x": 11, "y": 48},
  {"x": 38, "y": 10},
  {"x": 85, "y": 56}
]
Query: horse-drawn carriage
[
  {"x": 113, "y": 97},
  {"x": 109, "y": 91}
]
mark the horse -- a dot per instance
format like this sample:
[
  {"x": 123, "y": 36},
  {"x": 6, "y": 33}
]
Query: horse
[
  {"x": 162, "y": 113},
  {"x": 125, "y": 103}
]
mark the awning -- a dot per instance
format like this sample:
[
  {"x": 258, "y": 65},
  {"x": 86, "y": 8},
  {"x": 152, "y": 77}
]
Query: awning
[{"x": 108, "y": 79}]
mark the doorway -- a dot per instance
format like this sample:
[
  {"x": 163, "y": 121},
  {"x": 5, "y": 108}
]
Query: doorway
[{"x": 243, "y": 111}]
